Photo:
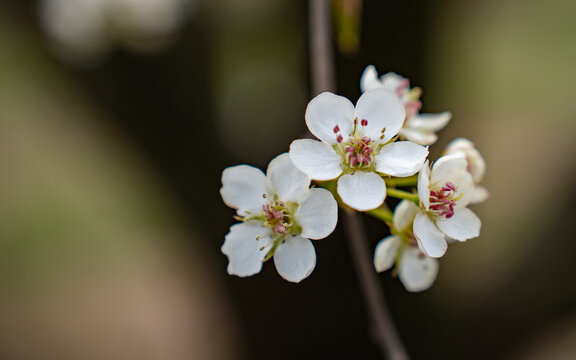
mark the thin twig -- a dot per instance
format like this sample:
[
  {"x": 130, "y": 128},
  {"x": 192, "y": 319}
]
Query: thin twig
[
  {"x": 321, "y": 55},
  {"x": 323, "y": 79},
  {"x": 382, "y": 326}
]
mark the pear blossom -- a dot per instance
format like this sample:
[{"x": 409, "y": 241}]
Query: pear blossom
[
  {"x": 419, "y": 128},
  {"x": 476, "y": 165},
  {"x": 444, "y": 192},
  {"x": 357, "y": 146},
  {"x": 279, "y": 214},
  {"x": 416, "y": 270}
]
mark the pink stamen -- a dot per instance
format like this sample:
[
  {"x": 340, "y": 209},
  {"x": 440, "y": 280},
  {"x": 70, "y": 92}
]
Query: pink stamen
[
  {"x": 339, "y": 138},
  {"x": 364, "y": 122},
  {"x": 412, "y": 108},
  {"x": 359, "y": 152},
  {"x": 280, "y": 228},
  {"x": 468, "y": 165},
  {"x": 275, "y": 217},
  {"x": 401, "y": 89},
  {"x": 336, "y": 129},
  {"x": 442, "y": 201},
  {"x": 449, "y": 186}
]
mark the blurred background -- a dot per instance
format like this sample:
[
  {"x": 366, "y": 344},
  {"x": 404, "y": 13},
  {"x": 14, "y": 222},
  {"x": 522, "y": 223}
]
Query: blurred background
[{"x": 118, "y": 116}]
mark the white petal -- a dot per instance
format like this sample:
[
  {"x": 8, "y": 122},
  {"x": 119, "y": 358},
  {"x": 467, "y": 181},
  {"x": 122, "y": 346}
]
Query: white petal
[
  {"x": 243, "y": 188},
  {"x": 318, "y": 214},
  {"x": 243, "y": 246},
  {"x": 404, "y": 214},
  {"x": 289, "y": 183},
  {"x": 295, "y": 258},
  {"x": 480, "y": 194},
  {"x": 325, "y": 112},
  {"x": 465, "y": 188},
  {"x": 459, "y": 144},
  {"x": 362, "y": 190},
  {"x": 430, "y": 240},
  {"x": 463, "y": 225},
  {"x": 382, "y": 110},
  {"x": 453, "y": 168},
  {"x": 401, "y": 158},
  {"x": 430, "y": 122},
  {"x": 416, "y": 270},
  {"x": 446, "y": 166},
  {"x": 392, "y": 81},
  {"x": 317, "y": 159},
  {"x": 385, "y": 253},
  {"x": 476, "y": 163},
  {"x": 369, "y": 79},
  {"x": 418, "y": 136},
  {"x": 424, "y": 185}
]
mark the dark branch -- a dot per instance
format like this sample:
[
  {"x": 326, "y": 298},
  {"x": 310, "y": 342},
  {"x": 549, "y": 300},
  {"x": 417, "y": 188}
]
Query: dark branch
[{"x": 323, "y": 79}]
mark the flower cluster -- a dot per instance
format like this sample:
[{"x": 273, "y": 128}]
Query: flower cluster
[{"x": 363, "y": 153}]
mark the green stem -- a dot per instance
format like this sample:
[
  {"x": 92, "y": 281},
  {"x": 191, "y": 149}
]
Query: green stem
[
  {"x": 407, "y": 181},
  {"x": 400, "y": 194},
  {"x": 277, "y": 241},
  {"x": 382, "y": 214}
]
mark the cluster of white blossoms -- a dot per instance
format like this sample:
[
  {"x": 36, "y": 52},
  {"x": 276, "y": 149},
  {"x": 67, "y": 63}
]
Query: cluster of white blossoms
[
  {"x": 359, "y": 156},
  {"x": 279, "y": 214}
]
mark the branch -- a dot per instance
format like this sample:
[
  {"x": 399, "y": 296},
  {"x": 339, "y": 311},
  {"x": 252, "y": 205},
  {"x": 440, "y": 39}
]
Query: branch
[
  {"x": 323, "y": 79},
  {"x": 382, "y": 326},
  {"x": 321, "y": 53}
]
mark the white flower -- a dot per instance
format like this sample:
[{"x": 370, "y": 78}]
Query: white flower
[
  {"x": 356, "y": 146},
  {"x": 476, "y": 165},
  {"x": 416, "y": 270},
  {"x": 280, "y": 214},
  {"x": 420, "y": 128},
  {"x": 444, "y": 193}
]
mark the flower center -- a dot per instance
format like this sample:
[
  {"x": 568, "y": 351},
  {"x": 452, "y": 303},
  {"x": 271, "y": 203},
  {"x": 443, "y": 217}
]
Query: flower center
[
  {"x": 277, "y": 216},
  {"x": 358, "y": 150},
  {"x": 442, "y": 201}
]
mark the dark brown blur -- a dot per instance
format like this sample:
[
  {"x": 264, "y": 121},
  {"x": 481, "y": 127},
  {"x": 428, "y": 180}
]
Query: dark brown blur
[{"x": 112, "y": 146}]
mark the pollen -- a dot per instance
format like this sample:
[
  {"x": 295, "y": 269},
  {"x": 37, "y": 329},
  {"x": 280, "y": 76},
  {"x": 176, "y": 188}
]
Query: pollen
[
  {"x": 359, "y": 152},
  {"x": 442, "y": 201},
  {"x": 277, "y": 216}
]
